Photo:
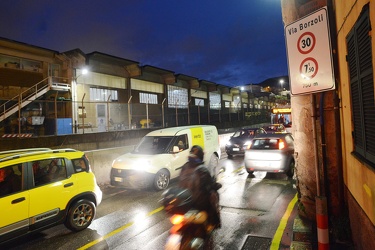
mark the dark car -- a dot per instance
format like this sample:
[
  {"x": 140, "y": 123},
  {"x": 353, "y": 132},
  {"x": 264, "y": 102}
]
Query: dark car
[
  {"x": 240, "y": 140},
  {"x": 271, "y": 153},
  {"x": 274, "y": 128}
]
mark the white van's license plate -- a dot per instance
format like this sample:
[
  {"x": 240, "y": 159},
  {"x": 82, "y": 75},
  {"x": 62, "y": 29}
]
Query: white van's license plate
[{"x": 118, "y": 179}]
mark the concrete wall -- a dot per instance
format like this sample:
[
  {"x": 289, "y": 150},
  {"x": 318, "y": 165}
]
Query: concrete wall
[{"x": 101, "y": 162}]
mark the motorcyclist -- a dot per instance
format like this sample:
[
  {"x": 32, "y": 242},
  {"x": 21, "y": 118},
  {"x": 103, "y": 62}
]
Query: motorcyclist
[{"x": 196, "y": 177}]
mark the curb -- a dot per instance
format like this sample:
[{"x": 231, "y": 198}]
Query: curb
[{"x": 303, "y": 236}]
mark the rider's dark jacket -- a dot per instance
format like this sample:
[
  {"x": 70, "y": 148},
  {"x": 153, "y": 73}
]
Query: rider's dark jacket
[{"x": 196, "y": 177}]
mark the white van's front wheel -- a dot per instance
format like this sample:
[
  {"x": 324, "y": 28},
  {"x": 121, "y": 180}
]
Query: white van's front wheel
[{"x": 161, "y": 180}]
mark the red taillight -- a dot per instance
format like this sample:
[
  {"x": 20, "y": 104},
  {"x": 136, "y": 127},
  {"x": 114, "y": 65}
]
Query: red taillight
[
  {"x": 176, "y": 219},
  {"x": 281, "y": 144}
]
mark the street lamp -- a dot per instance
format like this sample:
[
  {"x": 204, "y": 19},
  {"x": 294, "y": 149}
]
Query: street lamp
[
  {"x": 281, "y": 84},
  {"x": 84, "y": 71}
]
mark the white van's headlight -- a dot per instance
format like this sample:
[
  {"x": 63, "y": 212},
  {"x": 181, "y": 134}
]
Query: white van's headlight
[
  {"x": 117, "y": 164},
  {"x": 142, "y": 165}
]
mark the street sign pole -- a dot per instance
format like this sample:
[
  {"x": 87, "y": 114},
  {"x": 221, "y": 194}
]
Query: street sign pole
[{"x": 311, "y": 71}]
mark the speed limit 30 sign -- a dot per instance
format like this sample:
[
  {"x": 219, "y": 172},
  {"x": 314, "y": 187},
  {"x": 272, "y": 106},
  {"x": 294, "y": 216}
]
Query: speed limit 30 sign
[{"x": 309, "y": 54}]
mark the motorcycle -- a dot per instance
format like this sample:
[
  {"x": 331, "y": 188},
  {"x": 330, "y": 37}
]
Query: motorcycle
[{"x": 191, "y": 228}]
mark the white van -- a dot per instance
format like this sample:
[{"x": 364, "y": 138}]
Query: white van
[{"x": 159, "y": 156}]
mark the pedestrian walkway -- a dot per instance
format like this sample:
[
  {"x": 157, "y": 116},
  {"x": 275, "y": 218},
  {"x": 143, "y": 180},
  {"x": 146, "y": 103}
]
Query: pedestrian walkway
[{"x": 305, "y": 237}]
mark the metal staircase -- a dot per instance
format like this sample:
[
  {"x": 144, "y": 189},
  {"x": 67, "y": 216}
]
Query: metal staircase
[{"x": 26, "y": 97}]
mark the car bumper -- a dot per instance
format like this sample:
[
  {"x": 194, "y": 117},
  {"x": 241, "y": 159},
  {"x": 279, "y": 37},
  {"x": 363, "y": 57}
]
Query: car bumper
[
  {"x": 99, "y": 195},
  {"x": 272, "y": 163},
  {"x": 131, "y": 178},
  {"x": 234, "y": 151},
  {"x": 269, "y": 166}
]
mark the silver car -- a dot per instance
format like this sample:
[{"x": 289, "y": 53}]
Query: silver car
[{"x": 271, "y": 153}]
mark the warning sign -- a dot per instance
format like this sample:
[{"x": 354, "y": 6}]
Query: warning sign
[{"x": 309, "y": 54}]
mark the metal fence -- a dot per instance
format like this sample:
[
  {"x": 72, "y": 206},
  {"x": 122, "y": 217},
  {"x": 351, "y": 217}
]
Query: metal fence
[{"x": 63, "y": 116}]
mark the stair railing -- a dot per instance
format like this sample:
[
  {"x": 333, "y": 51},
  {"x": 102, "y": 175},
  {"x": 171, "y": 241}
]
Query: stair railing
[{"x": 25, "y": 97}]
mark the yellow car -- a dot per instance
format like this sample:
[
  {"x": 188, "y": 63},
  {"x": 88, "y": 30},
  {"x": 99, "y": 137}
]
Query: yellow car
[{"x": 42, "y": 187}]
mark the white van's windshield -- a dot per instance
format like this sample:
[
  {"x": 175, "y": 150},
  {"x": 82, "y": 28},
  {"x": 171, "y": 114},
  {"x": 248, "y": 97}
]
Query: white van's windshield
[{"x": 152, "y": 145}]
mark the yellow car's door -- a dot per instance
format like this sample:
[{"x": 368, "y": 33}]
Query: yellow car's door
[
  {"x": 47, "y": 201},
  {"x": 14, "y": 212}
]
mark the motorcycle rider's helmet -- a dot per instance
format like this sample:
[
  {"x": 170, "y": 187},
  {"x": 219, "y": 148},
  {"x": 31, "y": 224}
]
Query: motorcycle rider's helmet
[
  {"x": 176, "y": 200},
  {"x": 196, "y": 154}
]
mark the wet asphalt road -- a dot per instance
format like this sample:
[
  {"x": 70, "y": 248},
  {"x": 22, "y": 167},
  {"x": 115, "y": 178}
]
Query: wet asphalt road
[{"x": 251, "y": 211}]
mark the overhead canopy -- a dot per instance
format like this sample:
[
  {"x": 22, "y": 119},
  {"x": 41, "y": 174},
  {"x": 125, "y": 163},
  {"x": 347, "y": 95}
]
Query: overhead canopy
[
  {"x": 167, "y": 76},
  {"x": 112, "y": 65}
]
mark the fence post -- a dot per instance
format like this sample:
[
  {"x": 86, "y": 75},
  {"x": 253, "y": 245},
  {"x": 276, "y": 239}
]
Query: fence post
[
  {"x": 83, "y": 115},
  {"x": 176, "y": 113},
  {"x": 147, "y": 120},
  {"x": 19, "y": 113},
  {"x": 220, "y": 113},
  {"x": 208, "y": 112},
  {"x": 162, "y": 111},
  {"x": 57, "y": 92},
  {"x": 108, "y": 112},
  {"x": 129, "y": 115},
  {"x": 199, "y": 112},
  {"x": 189, "y": 111}
]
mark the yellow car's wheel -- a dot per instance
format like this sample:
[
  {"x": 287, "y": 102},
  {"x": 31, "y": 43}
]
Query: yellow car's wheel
[{"x": 80, "y": 215}]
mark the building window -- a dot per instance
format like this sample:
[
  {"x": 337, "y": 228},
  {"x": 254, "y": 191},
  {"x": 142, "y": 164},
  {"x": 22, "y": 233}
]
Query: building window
[
  {"x": 199, "y": 102},
  {"x": 20, "y": 63},
  {"x": 148, "y": 98},
  {"x": 236, "y": 104},
  {"x": 54, "y": 70},
  {"x": 227, "y": 105},
  {"x": 102, "y": 95},
  {"x": 215, "y": 101},
  {"x": 360, "y": 67},
  {"x": 177, "y": 97}
]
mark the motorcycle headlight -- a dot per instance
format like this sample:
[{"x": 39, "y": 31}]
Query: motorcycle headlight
[{"x": 176, "y": 219}]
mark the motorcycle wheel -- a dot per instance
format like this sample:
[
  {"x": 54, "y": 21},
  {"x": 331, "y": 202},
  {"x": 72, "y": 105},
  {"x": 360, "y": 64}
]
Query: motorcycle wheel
[{"x": 194, "y": 238}]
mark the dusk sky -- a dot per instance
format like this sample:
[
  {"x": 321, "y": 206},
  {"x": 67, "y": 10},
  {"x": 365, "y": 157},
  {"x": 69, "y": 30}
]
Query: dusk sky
[{"x": 232, "y": 42}]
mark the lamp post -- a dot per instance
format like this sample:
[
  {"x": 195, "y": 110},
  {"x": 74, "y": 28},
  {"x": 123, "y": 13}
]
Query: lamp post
[
  {"x": 84, "y": 71},
  {"x": 281, "y": 84}
]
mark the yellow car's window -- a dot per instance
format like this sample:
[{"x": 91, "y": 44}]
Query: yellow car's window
[
  {"x": 48, "y": 171},
  {"x": 10, "y": 180}
]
